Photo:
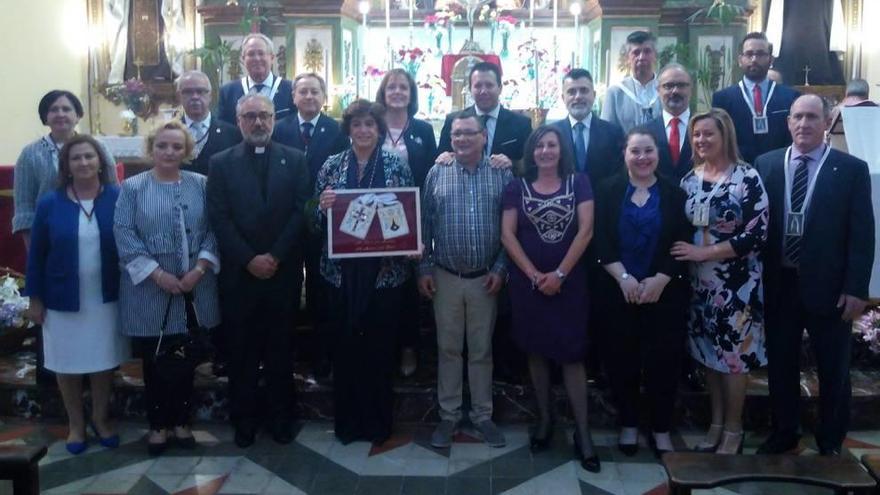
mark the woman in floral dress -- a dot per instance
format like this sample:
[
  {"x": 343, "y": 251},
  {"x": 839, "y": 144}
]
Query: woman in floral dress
[{"x": 727, "y": 204}]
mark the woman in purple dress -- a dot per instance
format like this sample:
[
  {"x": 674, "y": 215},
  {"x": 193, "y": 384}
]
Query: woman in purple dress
[{"x": 546, "y": 226}]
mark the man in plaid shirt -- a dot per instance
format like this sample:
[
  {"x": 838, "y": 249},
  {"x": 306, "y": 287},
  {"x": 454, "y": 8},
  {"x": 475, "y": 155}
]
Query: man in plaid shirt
[{"x": 463, "y": 268}]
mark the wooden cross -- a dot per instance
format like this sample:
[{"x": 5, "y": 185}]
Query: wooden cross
[{"x": 807, "y": 70}]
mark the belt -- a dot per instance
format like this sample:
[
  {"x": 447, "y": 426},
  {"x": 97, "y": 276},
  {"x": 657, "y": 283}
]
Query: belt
[{"x": 473, "y": 274}]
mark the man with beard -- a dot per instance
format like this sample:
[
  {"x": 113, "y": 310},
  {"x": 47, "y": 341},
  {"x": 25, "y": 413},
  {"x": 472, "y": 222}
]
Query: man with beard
[
  {"x": 257, "y": 57},
  {"x": 757, "y": 105},
  {"x": 211, "y": 135},
  {"x": 597, "y": 145},
  {"x": 670, "y": 128},
  {"x": 634, "y": 100},
  {"x": 256, "y": 194}
]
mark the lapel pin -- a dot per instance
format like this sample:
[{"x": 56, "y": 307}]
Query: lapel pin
[
  {"x": 283, "y": 161},
  {"x": 217, "y": 130},
  {"x": 835, "y": 169},
  {"x": 322, "y": 129}
]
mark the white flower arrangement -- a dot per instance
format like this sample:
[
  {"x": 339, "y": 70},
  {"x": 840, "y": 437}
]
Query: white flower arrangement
[{"x": 12, "y": 303}]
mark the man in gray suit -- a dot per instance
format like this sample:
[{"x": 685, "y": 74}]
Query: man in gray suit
[{"x": 256, "y": 194}]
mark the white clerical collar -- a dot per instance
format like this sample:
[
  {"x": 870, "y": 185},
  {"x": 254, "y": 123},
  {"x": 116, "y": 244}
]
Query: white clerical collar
[
  {"x": 259, "y": 150},
  {"x": 266, "y": 82},
  {"x": 587, "y": 120},
  {"x": 189, "y": 122},
  {"x": 494, "y": 113},
  {"x": 314, "y": 121},
  {"x": 685, "y": 117}
]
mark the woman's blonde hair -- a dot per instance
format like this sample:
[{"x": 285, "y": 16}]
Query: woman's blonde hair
[
  {"x": 171, "y": 125},
  {"x": 728, "y": 134}
]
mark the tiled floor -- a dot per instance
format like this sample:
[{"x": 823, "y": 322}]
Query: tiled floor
[{"x": 315, "y": 463}]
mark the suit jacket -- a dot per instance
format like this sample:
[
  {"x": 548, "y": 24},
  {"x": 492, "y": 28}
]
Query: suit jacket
[
  {"x": 665, "y": 167},
  {"x": 232, "y": 91},
  {"x": 246, "y": 224},
  {"x": 511, "y": 132},
  {"x": 750, "y": 144},
  {"x": 604, "y": 151},
  {"x": 837, "y": 249},
  {"x": 327, "y": 140},
  {"x": 421, "y": 149},
  {"x": 220, "y": 136}
]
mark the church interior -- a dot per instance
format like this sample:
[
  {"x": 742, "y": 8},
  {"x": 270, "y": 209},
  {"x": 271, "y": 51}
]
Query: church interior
[{"x": 121, "y": 58}]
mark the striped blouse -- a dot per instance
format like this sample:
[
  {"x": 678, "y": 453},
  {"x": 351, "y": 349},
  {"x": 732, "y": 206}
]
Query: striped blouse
[
  {"x": 163, "y": 224},
  {"x": 36, "y": 171}
]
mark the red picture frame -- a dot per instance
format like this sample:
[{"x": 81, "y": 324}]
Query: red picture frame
[{"x": 365, "y": 223}]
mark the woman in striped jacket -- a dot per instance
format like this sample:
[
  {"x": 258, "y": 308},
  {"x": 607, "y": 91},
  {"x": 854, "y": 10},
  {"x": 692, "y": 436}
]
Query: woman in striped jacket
[{"x": 167, "y": 252}]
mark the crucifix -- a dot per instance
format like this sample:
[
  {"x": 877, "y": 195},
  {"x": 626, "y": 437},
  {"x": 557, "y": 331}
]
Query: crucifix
[
  {"x": 359, "y": 216},
  {"x": 807, "y": 70}
]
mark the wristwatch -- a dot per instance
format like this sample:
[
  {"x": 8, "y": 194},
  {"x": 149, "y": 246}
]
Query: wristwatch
[
  {"x": 624, "y": 276},
  {"x": 560, "y": 274}
]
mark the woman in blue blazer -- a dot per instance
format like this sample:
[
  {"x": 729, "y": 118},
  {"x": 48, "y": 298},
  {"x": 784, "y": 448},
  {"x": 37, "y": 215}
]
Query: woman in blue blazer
[
  {"x": 73, "y": 284},
  {"x": 413, "y": 140}
]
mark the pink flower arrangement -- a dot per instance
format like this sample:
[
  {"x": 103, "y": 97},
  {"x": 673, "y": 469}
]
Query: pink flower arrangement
[{"x": 868, "y": 328}]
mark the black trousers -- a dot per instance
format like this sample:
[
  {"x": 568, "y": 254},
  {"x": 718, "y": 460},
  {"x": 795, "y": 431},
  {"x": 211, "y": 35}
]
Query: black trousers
[
  {"x": 260, "y": 331},
  {"x": 167, "y": 395},
  {"x": 410, "y": 311},
  {"x": 317, "y": 294},
  {"x": 831, "y": 343},
  {"x": 645, "y": 340}
]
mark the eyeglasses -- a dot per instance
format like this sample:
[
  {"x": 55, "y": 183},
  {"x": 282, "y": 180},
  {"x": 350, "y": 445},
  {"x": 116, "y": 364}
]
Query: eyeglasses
[
  {"x": 755, "y": 54},
  {"x": 675, "y": 85},
  {"x": 252, "y": 117},
  {"x": 460, "y": 134},
  {"x": 189, "y": 92}
]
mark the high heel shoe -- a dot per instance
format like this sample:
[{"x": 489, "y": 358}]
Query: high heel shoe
[
  {"x": 540, "y": 443},
  {"x": 628, "y": 449},
  {"x": 729, "y": 436},
  {"x": 658, "y": 452},
  {"x": 156, "y": 448},
  {"x": 706, "y": 447},
  {"x": 110, "y": 442},
  {"x": 76, "y": 448},
  {"x": 592, "y": 463},
  {"x": 184, "y": 441}
]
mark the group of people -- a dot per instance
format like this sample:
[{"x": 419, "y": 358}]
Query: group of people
[{"x": 655, "y": 233}]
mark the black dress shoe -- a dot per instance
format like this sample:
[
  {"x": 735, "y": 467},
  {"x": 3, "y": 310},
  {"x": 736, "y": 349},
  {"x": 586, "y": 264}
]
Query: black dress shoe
[
  {"x": 282, "y": 432},
  {"x": 245, "y": 435},
  {"x": 540, "y": 441},
  {"x": 778, "y": 444},
  {"x": 829, "y": 452},
  {"x": 592, "y": 463},
  {"x": 628, "y": 449}
]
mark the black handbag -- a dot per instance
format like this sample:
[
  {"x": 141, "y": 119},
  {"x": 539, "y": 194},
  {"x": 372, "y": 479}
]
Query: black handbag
[{"x": 178, "y": 355}]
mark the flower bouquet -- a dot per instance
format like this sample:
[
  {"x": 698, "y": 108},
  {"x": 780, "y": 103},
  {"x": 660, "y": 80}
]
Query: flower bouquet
[
  {"x": 866, "y": 331},
  {"x": 12, "y": 304},
  {"x": 410, "y": 59},
  {"x": 506, "y": 23},
  {"x": 137, "y": 99}
]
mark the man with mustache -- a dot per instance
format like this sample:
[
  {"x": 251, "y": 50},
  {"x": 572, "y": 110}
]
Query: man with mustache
[
  {"x": 757, "y": 105},
  {"x": 256, "y": 194},
  {"x": 634, "y": 100},
  {"x": 257, "y": 58},
  {"x": 818, "y": 260},
  {"x": 210, "y": 134},
  {"x": 670, "y": 128}
]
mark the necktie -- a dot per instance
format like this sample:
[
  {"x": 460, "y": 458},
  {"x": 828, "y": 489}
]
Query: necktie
[
  {"x": 674, "y": 140},
  {"x": 756, "y": 99},
  {"x": 485, "y": 120},
  {"x": 798, "y": 196},
  {"x": 307, "y": 132},
  {"x": 580, "y": 147},
  {"x": 257, "y": 88}
]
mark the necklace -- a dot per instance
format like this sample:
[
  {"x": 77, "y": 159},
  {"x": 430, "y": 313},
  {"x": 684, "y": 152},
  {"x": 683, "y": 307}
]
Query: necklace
[
  {"x": 87, "y": 213},
  {"x": 396, "y": 142}
]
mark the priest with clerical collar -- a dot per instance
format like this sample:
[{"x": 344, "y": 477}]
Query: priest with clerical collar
[
  {"x": 635, "y": 100},
  {"x": 257, "y": 59}
]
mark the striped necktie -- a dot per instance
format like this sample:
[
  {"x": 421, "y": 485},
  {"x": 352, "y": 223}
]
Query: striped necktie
[{"x": 798, "y": 196}]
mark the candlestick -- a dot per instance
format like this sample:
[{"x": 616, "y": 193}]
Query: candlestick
[
  {"x": 555, "y": 14},
  {"x": 532, "y": 14},
  {"x": 388, "y": 33}
]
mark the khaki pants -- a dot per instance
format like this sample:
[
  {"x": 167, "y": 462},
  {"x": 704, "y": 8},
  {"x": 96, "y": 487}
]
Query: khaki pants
[{"x": 463, "y": 309}]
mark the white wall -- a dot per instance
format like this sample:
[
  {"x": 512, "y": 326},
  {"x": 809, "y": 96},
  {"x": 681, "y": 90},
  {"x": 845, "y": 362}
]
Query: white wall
[
  {"x": 45, "y": 48},
  {"x": 871, "y": 48}
]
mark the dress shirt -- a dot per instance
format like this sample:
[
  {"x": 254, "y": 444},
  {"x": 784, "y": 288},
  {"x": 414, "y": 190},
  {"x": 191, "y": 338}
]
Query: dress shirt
[
  {"x": 491, "y": 124},
  {"x": 461, "y": 218},
  {"x": 683, "y": 120},
  {"x": 765, "y": 88},
  {"x": 314, "y": 122},
  {"x": 266, "y": 90},
  {"x": 587, "y": 120},
  {"x": 645, "y": 93},
  {"x": 202, "y": 137}
]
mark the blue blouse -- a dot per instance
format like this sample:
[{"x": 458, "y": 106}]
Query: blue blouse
[{"x": 639, "y": 230}]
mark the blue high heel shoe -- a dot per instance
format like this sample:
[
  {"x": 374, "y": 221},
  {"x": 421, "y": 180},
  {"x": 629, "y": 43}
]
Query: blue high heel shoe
[
  {"x": 77, "y": 448},
  {"x": 110, "y": 442}
]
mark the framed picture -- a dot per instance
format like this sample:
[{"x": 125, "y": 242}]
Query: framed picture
[{"x": 366, "y": 223}]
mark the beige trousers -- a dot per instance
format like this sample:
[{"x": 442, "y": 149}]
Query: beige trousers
[{"x": 463, "y": 309}]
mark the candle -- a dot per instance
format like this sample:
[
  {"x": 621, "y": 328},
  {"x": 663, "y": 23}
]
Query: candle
[
  {"x": 532, "y": 14},
  {"x": 388, "y": 17},
  {"x": 555, "y": 14}
]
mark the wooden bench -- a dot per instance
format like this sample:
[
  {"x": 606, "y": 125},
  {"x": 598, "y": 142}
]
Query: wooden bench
[
  {"x": 872, "y": 464},
  {"x": 19, "y": 463},
  {"x": 690, "y": 470}
]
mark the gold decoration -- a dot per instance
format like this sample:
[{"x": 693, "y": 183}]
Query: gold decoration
[{"x": 313, "y": 57}]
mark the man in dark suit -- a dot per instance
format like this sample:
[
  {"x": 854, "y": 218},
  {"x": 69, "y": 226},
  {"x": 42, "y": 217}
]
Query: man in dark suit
[
  {"x": 507, "y": 130},
  {"x": 256, "y": 195},
  {"x": 257, "y": 57},
  {"x": 318, "y": 136},
  {"x": 818, "y": 259},
  {"x": 597, "y": 145},
  {"x": 757, "y": 105},
  {"x": 670, "y": 129},
  {"x": 211, "y": 135}
]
